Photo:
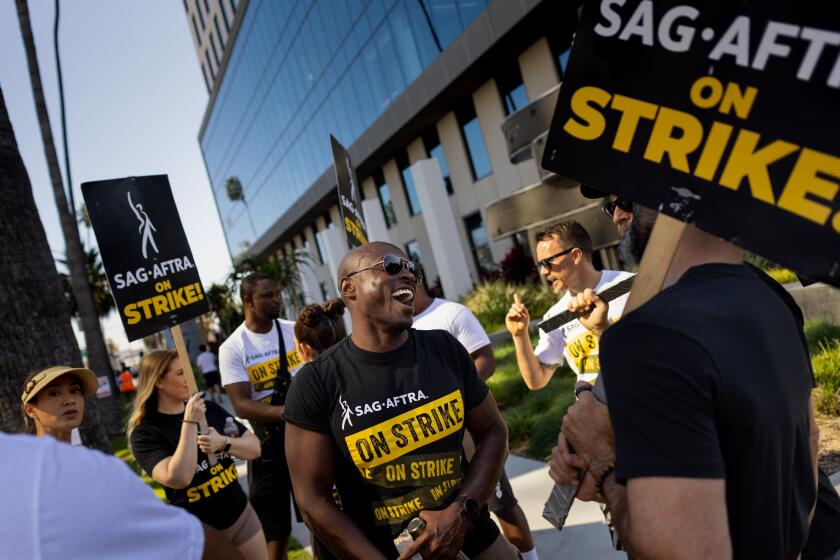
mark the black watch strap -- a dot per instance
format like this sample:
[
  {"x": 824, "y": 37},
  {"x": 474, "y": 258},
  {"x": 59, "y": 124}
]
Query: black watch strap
[{"x": 470, "y": 505}]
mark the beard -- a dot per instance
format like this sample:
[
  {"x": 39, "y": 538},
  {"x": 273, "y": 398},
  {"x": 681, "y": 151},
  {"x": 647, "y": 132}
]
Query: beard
[{"x": 635, "y": 239}]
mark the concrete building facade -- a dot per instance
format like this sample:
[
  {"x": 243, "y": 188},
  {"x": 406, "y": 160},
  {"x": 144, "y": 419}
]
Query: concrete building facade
[
  {"x": 423, "y": 94},
  {"x": 210, "y": 24}
]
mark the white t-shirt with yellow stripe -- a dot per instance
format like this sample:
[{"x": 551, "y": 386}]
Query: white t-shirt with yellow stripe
[
  {"x": 574, "y": 343},
  {"x": 255, "y": 358}
]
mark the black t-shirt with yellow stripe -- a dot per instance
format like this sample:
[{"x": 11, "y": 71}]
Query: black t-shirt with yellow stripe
[
  {"x": 214, "y": 495},
  {"x": 397, "y": 419}
]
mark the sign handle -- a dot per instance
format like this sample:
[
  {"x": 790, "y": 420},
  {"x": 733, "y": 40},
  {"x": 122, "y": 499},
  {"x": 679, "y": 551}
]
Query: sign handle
[
  {"x": 186, "y": 365},
  {"x": 656, "y": 261}
]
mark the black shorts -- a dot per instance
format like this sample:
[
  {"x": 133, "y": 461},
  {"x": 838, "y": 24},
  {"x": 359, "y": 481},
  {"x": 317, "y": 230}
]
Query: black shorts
[
  {"x": 501, "y": 498},
  {"x": 270, "y": 488},
  {"x": 212, "y": 378},
  {"x": 274, "y": 511}
]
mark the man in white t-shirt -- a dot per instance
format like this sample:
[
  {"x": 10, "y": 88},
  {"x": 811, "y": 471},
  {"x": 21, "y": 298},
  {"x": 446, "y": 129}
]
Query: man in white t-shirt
[
  {"x": 206, "y": 361},
  {"x": 456, "y": 319},
  {"x": 257, "y": 363},
  {"x": 49, "y": 483},
  {"x": 564, "y": 253}
]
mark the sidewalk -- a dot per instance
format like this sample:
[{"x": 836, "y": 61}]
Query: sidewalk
[{"x": 584, "y": 536}]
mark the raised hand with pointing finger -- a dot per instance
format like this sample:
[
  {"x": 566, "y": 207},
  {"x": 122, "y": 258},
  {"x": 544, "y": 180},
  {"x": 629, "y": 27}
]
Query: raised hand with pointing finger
[{"x": 517, "y": 318}]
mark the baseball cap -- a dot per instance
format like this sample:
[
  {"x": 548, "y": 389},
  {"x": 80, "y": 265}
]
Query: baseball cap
[
  {"x": 588, "y": 191},
  {"x": 43, "y": 378}
]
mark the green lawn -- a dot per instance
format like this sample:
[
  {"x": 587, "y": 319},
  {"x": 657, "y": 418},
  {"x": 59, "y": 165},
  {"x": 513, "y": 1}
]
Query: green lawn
[{"x": 533, "y": 417}]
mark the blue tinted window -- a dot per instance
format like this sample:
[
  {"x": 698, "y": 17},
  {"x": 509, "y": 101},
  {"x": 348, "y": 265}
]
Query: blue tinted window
[
  {"x": 474, "y": 142},
  {"x": 408, "y": 184},
  {"x": 445, "y": 20},
  {"x": 511, "y": 88},
  {"x": 385, "y": 200},
  {"x": 412, "y": 250},
  {"x": 300, "y": 70},
  {"x": 435, "y": 150}
]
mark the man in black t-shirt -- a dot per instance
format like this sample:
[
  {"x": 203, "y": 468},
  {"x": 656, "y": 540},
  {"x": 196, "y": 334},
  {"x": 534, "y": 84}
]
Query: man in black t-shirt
[
  {"x": 381, "y": 415},
  {"x": 708, "y": 392}
]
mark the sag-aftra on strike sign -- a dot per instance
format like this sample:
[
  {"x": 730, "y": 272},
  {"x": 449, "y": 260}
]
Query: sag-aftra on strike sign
[
  {"x": 722, "y": 114},
  {"x": 150, "y": 268}
]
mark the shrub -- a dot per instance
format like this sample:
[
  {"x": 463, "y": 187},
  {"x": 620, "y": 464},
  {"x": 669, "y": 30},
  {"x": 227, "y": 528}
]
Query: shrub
[
  {"x": 490, "y": 301},
  {"x": 826, "y": 365},
  {"x": 518, "y": 266},
  {"x": 819, "y": 334}
]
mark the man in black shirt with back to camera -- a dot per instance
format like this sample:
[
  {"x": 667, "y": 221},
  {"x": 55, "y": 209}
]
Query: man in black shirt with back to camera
[
  {"x": 709, "y": 406},
  {"x": 381, "y": 415}
]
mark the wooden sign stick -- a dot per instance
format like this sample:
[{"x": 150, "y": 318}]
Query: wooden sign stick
[
  {"x": 656, "y": 261},
  {"x": 186, "y": 365}
]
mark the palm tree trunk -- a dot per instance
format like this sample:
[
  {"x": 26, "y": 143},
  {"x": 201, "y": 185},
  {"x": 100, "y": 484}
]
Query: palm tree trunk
[
  {"x": 97, "y": 352},
  {"x": 35, "y": 331}
]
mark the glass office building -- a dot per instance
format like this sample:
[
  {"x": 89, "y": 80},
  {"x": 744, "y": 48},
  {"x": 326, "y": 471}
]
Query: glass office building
[
  {"x": 397, "y": 82},
  {"x": 300, "y": 71}
]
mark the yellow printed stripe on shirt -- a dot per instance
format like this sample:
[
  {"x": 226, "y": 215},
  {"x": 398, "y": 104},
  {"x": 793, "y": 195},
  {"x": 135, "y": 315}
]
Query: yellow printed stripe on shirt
[{"x": 411, "y": 430}]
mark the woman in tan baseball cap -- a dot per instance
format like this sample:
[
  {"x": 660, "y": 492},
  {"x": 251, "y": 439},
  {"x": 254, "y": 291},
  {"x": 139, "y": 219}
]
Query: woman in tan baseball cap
[{"x": 54, "y": 400}]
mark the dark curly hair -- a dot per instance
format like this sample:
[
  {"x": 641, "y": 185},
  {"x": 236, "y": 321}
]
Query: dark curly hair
[{"x": 319, "y": 326}]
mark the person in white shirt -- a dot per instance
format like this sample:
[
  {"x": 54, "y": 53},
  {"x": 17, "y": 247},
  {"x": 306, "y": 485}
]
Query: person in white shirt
[
  {"x": 564, "y": 253},
  {"x": 206, "y": 361},
  {"x": 257, "y": 363},
  {"x": 456, "y": 319},
  {"x": 74, "y": 503}
]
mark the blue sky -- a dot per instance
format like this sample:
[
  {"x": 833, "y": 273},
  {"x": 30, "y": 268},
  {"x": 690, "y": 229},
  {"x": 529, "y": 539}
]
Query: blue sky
[{"x": 134, "y": 98}]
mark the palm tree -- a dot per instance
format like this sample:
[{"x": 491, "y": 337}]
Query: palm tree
[
  {"x": 224, "y": 306},
  {"x": 282, "y": 268},
  {"x": 235, "y": 192},
  {"x": 97, "y": 352},
  {"x": 35, "y": 331},
  {"x": 97, "y": 280}
]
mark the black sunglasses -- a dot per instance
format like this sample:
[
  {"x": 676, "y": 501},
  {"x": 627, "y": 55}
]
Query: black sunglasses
[
  {"x": 392, "y": 264},
  {"x": 546, "y": 262},
  {"x": 610, "y": 206}
]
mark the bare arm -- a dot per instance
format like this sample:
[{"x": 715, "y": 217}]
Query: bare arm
[
  {"x": 178, "y": 470},
  {"x": 311, "y": 458},
  {"x": 246, "y": 446},
  {"x": 485, "y": 362},
  {"x": 489, "y": 432},
  {"x": 653, "y": 521},
  {"x": 248, "y": 408},
  {"x": 535, "y": 374}
]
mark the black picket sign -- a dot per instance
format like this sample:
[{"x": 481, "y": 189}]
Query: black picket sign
[
  {"x": 721, "y": 114},
  {"x": 150, "y": 268},
  {"x": 349, "y": 197}
]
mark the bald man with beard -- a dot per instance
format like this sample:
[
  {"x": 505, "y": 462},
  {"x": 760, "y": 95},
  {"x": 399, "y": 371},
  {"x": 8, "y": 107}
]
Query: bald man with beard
[{"x": 381, "y": 415}]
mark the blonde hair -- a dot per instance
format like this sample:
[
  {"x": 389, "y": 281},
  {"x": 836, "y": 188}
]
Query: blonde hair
[{"x": 152, "y": 368}]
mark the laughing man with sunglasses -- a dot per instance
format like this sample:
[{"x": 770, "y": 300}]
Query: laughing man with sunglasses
[{"x": 382, "y": 416}]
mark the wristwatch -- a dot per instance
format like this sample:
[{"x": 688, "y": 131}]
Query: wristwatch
[
  {"x": 226, "y": 448},
  {"x": 470, "y": 505}
]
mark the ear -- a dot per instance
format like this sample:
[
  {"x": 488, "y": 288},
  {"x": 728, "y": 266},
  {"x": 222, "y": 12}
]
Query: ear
[
  {"x": 577, "y": 255},
  {"x": 305, "y": 352},
  {"x": 29, "y": 410},
  {"x": 348, "y": 289}
]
